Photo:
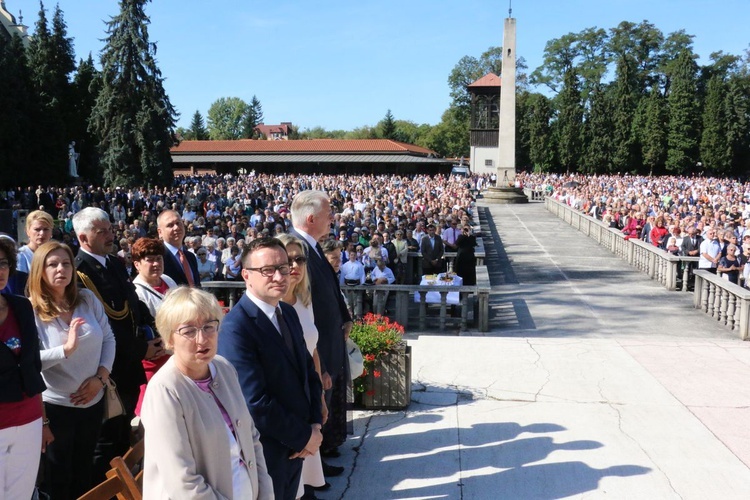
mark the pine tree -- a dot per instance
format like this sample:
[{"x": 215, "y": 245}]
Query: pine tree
[
  {"x": 598, "y": 131},
  {"x": 737, "y": 104},
  {"x": 682, "y": 137},
  {"x": 86, "y": 87},
  {"x": 625, "y": 99},
  {"x": 715, "y": 150},
  {"x": 388, "y": 126},
  {"x": 20, "y": 151},
  {"x": 253, "y": 118},
  {"x": 51, "y": 62},
  {"x": 133, "y": 118},
  {"x": 654, "y": 133},
  {"x": 569, "y": 122},
  {"x": 197, "y": 131},
  {"x": 541, "y": 148}
]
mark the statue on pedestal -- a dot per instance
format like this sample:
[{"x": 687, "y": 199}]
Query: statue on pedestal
[{"x": 72, "y": 160}]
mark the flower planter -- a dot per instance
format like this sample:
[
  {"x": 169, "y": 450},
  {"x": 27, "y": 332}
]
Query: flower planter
[{"x": 388, "y": 382}]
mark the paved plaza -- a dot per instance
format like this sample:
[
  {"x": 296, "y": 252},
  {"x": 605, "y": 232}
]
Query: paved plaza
[{"x": 594, "y": 382}]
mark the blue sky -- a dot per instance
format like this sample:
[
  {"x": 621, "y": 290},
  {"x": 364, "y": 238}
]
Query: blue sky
[{"x": 342, "y": 64}]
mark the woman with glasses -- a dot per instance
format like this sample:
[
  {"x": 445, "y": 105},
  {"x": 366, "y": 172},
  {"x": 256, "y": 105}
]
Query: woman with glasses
[
  {"x": 77, "y": 352},
  {"x": 299, "y": 297},
  {"x": 200, "y": 439}
]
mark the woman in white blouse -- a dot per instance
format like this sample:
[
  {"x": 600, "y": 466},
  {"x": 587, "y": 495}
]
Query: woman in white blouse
[
  {"x": 299, "y": 297},
  {"x": 77, "y": 352}
]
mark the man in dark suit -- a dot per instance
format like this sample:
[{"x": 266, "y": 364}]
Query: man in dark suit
[
  {"x": 311, "y": 217},
  {"x": 105, "y": 275},
  {"x": 432, "y": 250},
  {"x": 263, "y": 339},
  {"x": 691, "y": 247},
  {"x": 179, "y": 264}
]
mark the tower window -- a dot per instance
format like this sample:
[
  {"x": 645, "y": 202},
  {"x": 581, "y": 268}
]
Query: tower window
[{"x": 487, "y": 163}]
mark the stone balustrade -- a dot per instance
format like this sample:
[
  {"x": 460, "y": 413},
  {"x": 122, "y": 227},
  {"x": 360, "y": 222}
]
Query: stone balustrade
[
  {"x": 727, "y": 303},
  {"x": 534, "y": 194}
]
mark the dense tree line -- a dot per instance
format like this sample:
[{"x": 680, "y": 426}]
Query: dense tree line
[
  {"x": 120, "y": 117},
  {"x": 627, "y": 99}
]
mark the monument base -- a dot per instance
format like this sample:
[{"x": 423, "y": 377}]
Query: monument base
[{"x": 505, "y": 195}]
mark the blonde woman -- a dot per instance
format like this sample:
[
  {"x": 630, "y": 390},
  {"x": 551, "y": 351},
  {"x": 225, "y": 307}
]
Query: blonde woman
[
  {"x": 201, "y": 441},
  {"x": 299, "y": 297},
  {"x": 77, "y": 352},
  {"x": 39, "y": 225}
]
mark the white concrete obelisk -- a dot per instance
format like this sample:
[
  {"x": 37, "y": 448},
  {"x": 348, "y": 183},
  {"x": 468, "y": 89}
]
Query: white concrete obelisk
[{"x": 506, "y": 165}]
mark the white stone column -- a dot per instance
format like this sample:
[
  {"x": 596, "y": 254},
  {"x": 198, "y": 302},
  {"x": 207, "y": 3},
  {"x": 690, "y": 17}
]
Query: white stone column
[{"x": 506, "y": 165}]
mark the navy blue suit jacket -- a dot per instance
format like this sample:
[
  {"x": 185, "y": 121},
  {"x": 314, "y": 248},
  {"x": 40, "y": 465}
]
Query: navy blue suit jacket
[
  {"x": 282, "y": 392},
  {"x": 173, "y": 268},
  {"x": 329, "y": 309}
]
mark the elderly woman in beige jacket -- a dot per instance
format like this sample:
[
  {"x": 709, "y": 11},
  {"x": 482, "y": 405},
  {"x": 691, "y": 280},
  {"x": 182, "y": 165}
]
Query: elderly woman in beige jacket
[{"x": 201, "y": 441}]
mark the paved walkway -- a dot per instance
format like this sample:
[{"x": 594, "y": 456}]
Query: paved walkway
[{"x": 594, "y": 382}]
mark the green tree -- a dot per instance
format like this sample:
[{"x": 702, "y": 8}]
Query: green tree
[
  {"x": 715, "y": 149},
  {"x": 541, "y": 149},
  {"x": 20, "y": 151},
  {"x": 682, "y": 136},
  {"x": 197, "y": 130},
  {"x": 86, "y": 87},
  {"x": 253, "y": 117},
  {"x": 450, "y": 137},
  {"x": 625, "y": 97},
  {"x": 567, "y": 128},
  {"x": 598, "y": 132},
  {"x": 654, "y": 133},
  {"x": 51, "y": 62},
  {"x": 387, "y": 126},
  {"x": 737, "y": 104},
  {"x": 226, "y": 118},
  {"x": 133, "y": 118}
]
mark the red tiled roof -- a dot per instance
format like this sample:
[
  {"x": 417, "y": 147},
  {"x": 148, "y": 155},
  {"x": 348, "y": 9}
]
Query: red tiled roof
[
  {"x": 300, "y": 146},
  {"x": 267, "y": 130},
  {"x": 488, "y": 80}
]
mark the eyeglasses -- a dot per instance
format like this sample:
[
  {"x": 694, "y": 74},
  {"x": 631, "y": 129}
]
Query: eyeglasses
[
  {"x": 270, "y": 271},
  {"x": 4, "y": 265},
  {"x": 191, "y": 332},
  {"x": 299, "y": 260},
  {"x": 201, "y": 253}
]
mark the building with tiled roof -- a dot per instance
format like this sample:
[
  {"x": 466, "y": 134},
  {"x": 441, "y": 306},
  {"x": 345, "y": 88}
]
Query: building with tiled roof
[
  {"x": 274, "y": 132},
  {"x": 308, "y": 156}
]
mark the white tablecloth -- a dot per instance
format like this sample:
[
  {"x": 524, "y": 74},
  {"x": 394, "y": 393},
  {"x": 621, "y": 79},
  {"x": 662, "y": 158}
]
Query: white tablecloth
[{"x": 434, "y": 297}]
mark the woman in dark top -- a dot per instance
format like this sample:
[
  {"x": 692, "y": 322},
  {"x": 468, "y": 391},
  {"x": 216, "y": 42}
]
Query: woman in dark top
[
  {"x": 466, "y": 262},
  {"x": 23, "y": 428}
]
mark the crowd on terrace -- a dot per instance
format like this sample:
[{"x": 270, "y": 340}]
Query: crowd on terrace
[
  {"x": 705, "y": 217},
  {"x": 223, "y": 211}
]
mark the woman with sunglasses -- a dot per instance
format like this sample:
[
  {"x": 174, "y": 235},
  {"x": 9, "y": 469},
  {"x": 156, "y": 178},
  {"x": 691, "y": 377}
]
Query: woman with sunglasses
[
  {"x": 200, "y": 439},
  {"x": 299, "y": 297}
]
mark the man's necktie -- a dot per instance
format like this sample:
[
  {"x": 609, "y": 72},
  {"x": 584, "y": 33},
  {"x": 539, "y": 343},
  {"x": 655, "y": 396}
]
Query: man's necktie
[
  {"x": 319, "y": 249},
  {"x": 185, "y": 267},
  {"x": 284, "y": 329}
]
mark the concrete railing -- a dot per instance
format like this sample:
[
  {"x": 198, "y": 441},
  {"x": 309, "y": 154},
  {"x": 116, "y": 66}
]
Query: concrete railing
[
  {"x": 657, "y": 263},
  {"x": 727, "y": 303},
  {"x": 231, "y": 291}
]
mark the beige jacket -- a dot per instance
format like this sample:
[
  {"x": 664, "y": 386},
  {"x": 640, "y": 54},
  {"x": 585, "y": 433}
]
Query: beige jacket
[{"x": 187, "y": 447}]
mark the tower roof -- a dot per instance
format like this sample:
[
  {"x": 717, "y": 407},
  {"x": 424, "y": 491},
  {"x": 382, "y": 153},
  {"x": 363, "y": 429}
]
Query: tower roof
[{"x": 488, "y": 80}]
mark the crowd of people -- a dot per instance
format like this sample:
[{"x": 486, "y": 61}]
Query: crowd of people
[
  {"x": 107, "y": 289},
  {"x": 702, "y": 217}
]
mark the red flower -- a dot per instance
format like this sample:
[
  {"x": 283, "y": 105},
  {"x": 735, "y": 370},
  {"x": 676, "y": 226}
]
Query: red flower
[
  {"x": 369, "y": 357},
  {"x": 371, "y": 392},
  {"x": 376, "y": 373}
]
